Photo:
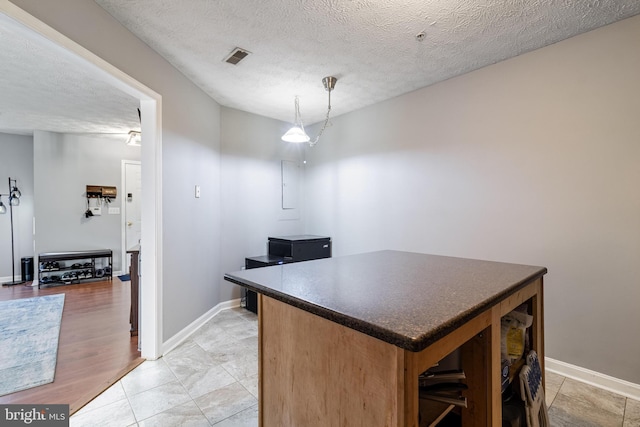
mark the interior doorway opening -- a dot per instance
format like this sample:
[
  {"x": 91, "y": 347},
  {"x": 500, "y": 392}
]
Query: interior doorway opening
[
  {"x": 131, "y": 212},
  {"x": 151, "y": 173}
]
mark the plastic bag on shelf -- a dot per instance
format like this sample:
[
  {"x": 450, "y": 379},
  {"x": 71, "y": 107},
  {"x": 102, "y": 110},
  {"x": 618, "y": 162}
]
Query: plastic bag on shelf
[{"x": 513, "y": 331}]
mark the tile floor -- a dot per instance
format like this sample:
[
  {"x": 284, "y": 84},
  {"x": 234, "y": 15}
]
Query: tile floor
[{"x": 212, "y": 380}]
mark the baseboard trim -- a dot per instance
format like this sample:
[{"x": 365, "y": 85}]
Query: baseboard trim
[
  {"x": 593, "y": 378},
  {"x": 185, "y": 333},
  {"x": 7, "y": 279}
]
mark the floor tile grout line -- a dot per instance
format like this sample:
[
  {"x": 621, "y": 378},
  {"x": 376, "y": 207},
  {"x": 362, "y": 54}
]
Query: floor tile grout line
[
  {"x": 557, "y": 392},
  {"x": 248, "y": 391},
  {"x": 130, "y": 406},
  {"x": 153, "y": 388},
  {"x": 175, "y": 378},
  {"x": 102, "y": 406},
  {"x": 232, "y": 415},
  {"x": 618, "y": 416},
  {"x": 624, "y": 411},
  {"x": 173, "y": 407}
]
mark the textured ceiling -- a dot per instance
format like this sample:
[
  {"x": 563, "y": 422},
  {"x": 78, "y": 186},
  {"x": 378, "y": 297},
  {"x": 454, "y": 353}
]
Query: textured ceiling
[
  {"x": 45, "y": 87},
  {"x": 369, "y": 45}
]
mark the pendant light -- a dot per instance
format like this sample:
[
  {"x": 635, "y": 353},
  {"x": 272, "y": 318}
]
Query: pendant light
[{"x": 297, "y": 133}]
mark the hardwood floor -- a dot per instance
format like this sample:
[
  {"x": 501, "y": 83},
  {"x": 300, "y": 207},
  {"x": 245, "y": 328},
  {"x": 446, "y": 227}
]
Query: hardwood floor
[{"x": 95, "y": 348}]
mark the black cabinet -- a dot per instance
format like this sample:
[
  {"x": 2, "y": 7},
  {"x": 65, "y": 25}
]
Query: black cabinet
[
  {"x": 300, "y": 248},
  {"x": 283, "y": 250}
]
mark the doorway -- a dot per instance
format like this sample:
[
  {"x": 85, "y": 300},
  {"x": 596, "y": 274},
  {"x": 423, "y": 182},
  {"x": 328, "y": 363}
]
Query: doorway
[
  {"x": 151, "y": 177},
  {"x": 131, "y": 206}
]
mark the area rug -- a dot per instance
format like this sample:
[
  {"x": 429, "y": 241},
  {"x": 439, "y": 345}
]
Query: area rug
[{"x": 29, "y": 332}]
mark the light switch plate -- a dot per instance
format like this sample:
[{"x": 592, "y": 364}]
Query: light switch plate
[
  {"x": 197, "y": 191},
  {"x": 114, "y": 211}
]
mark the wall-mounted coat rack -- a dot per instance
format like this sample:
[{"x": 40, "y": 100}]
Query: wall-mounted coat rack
[{"x": 99, "y": 193}]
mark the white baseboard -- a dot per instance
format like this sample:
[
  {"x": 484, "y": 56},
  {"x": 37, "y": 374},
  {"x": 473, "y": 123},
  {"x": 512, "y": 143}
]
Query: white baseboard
[
  {"x": 10, "y": 278},
  {"x": 593, "y": 378},
  {"x": 185, "y": 333}
]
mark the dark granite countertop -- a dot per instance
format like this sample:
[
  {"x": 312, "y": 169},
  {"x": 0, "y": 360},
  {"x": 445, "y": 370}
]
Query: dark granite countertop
[{"x": 406, "y": 299}]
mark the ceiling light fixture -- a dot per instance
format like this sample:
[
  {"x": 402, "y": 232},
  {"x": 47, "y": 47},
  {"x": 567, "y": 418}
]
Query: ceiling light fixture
[
  {"x": 135, "y": 138},
  {"x": 297, "y": 133}
]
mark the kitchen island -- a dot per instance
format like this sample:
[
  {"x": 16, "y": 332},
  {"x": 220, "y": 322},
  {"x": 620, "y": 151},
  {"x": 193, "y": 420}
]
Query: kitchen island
[{"x": 343, "y": 340}]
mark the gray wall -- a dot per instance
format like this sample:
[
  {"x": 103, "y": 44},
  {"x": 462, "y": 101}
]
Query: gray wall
[
  {"x": 534, "y": 160},
  {"x": 531, "y": 160},
  {"x": 63, "y": 166},
  {"x": 190, "y": 156},
  {"x": 16, "y": 161},
  {"x": 251, "y": 188}
]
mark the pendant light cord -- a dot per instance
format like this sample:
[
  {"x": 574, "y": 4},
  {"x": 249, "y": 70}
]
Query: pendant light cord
[
  {"x": 324, "y": 125},
  {"x": 298, "y": 118}
]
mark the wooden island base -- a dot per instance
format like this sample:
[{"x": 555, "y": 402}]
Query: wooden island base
[{"x": 313, "y": 371}]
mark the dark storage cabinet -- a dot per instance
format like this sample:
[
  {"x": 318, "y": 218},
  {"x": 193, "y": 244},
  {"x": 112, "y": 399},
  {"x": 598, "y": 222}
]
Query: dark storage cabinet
[
  {"x": 300, "y": 248},
  {"x": 283, "y": 250}
]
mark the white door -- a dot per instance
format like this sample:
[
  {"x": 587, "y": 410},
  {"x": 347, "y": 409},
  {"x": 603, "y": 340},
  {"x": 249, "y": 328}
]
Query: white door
[{"x": 132, "y": 199}]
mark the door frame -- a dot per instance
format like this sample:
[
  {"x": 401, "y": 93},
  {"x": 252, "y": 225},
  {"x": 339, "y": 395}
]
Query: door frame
[
  {"x": 151, "y": 156},
  {"x": 123, "y": 219}
]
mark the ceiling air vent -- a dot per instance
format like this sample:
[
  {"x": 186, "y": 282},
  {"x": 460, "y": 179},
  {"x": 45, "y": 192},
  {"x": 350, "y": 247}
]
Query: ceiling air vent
[{"x": 236, "y": 56}]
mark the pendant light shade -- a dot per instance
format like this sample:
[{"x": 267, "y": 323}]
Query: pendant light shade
[
  {"x": 15, "y": 193},
  {"x": 14, "y": 196},
  {"x": 296, "y": 133}
]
